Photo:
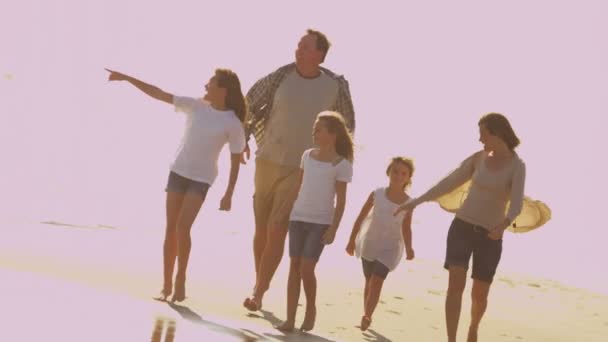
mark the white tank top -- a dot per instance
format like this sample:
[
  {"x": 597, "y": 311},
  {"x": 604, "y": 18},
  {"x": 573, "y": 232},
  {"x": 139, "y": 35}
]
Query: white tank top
[{"x": 380, "y": 236}]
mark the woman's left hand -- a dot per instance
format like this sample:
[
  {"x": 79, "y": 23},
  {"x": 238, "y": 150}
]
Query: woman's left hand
[
  {"x": 498, "y": 231},
  {"x": 226, "y": 203}
]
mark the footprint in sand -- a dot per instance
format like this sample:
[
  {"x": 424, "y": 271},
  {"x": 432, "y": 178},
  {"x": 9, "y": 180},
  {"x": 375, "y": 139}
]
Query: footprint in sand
[
  {"x": 428, "y": 309},
  {"x": 328, "y": 304},
  {"x": 434, "y": 327},
  {"x": 394, "y": 312},
  {"x": 397, "y": 297},
  {"x": 519, "y": 337},
  {"x": 382, "y": 302},
  {"x": 434, "y": 292},
  {"x": 534, "y": 285}
]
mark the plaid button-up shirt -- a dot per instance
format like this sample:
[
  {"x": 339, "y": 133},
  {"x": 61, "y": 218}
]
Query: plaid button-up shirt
[{"x": 261, "y": 96}]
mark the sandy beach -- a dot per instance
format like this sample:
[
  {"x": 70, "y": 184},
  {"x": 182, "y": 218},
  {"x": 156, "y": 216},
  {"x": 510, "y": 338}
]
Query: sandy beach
[{"x": 75, "y": 282}]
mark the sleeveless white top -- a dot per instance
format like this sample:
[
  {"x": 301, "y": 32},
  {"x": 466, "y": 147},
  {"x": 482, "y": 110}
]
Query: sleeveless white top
[{"x": 380, "y": 236}]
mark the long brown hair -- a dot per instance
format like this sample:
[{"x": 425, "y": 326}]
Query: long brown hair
[
  {"x": 235, "y": 100},
  {"x": 336, "y": 125},
  {"x": 498, "y": 125}
]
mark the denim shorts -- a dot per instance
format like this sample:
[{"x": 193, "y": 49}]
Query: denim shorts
[
  {"x": 374, "y": 268},
  {"x": 305, "y": 239},
  {"x": 177, "y": 183},
  {"x": 466, "y": 239}
]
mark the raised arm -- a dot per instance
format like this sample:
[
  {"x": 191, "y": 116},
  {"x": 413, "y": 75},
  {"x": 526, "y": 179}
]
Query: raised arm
[
  {"x": 149, "y": 89},
  {"x": 367, "y": 207},
  {"x": 456, "y": 178}
]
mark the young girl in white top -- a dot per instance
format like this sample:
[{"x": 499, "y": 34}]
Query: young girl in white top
[
  {"x": 379, "y": 242},
  {"x": 497, "y": 177},
  {"x": 211, "y": 123},
  {"x": 313, "y": 218}
]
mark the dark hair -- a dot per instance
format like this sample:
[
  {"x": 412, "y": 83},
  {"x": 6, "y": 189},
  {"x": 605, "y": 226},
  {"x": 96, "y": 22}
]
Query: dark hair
[
  {"x": 336, "y": 125},
  {"x": 323, "y": 43},
  {"x": 235, "y": 100},
  {"x": 409, "y": 163},
  {"x": 498, "y": 125}
]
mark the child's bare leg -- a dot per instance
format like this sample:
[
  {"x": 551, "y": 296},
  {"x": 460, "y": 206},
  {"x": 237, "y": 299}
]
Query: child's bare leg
[
  {"x": 293, "y": 295},
  {"x": 189, "y": 210},
  {"x": 172, "y": 206},
  {"x": 365, "y": 292},
  {"x": 375, "y": 287},
  {"x": 309, "y": 280}
]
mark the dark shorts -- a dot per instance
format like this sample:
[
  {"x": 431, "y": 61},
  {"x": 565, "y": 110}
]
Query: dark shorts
[
  {"x": 177, "y": 183},
  {"x": 305, "y": 239},
  {"x": 374, "y": 268},
  {"x": 466, "y": 239}
]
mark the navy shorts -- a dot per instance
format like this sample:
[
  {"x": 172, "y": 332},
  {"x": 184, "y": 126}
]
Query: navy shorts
[
  {"x": 177, "y": 183},
  {"x": 374, "y": 268},
  {"x": 466, "y": 239},
  {"x": 305, "y": 239}
]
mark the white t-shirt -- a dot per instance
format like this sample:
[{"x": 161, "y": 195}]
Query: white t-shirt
[
  {"x": 315, "y": 202},
  {"x": 207, "y": 131}
]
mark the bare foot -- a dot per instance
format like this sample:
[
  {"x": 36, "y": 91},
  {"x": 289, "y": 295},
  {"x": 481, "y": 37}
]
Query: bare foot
[
  {"x": 309, "y": 319},
  {"x": 247, "y": 304},
  {"x": 253, "y": 303},
  {"x": 180, "y": 292},
  {"x": 285, "y": 327},
  {"x": 165, "y": 292},
  {"x": 365, "y": 323}
]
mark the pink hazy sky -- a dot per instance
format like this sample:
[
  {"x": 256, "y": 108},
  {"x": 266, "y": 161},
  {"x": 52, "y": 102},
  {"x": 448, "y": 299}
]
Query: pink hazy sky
[{"x": 76, "y": 148}]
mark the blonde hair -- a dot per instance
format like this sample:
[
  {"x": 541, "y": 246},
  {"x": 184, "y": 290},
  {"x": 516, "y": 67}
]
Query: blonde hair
[
  {"x": 336, "y": 125},
  {"x": 409, "y": 163}
]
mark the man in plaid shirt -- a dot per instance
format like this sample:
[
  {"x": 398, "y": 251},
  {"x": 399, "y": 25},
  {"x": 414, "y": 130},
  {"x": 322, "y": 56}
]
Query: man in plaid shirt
[{"x": 283, "y": 107}]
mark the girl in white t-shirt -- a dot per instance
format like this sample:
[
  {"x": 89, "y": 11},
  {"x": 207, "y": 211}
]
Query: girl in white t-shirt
[
  {"x": 379, "y": 239},
  {"x": 211, "y": 123},
  {"x": 313, "y": 218}
]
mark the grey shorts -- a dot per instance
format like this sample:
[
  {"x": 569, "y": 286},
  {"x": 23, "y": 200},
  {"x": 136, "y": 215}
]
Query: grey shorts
[
  {"x": 466, "y": 239},
  {"x": 305, "y": 239},
  {"x": 180, "y": 184}
]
